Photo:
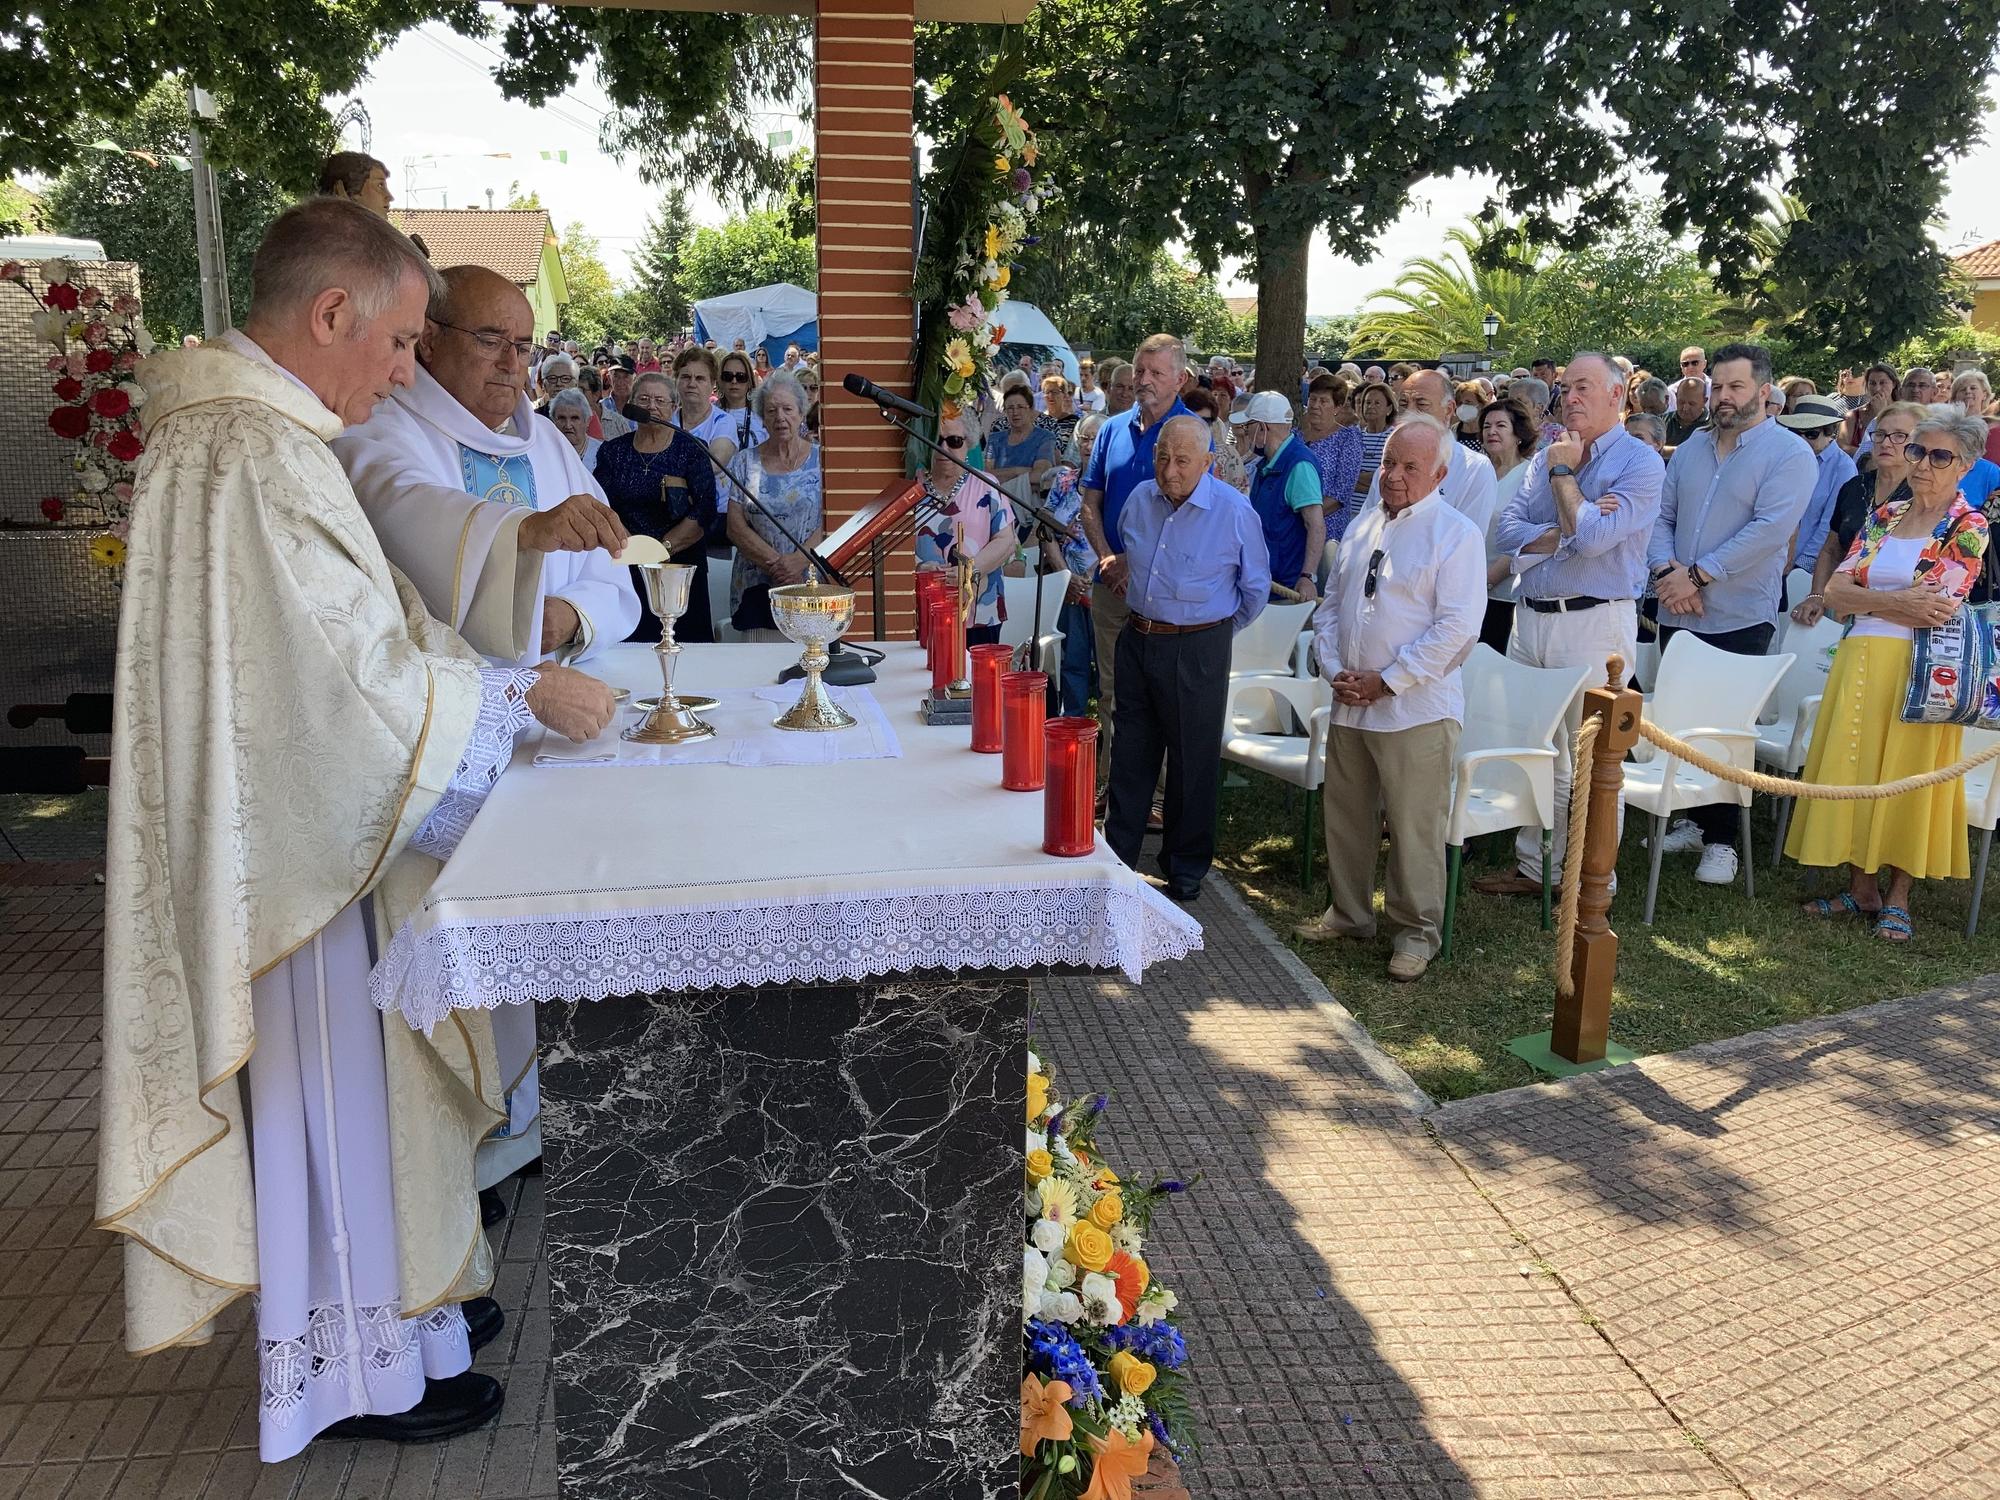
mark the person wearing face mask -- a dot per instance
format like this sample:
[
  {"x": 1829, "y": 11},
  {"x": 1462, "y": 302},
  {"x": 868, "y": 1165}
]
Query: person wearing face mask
[
  {"x": 1284, "y": 491},
  {"x": 1470, "y": 486},
  {"x": 1471, "y": 396}
]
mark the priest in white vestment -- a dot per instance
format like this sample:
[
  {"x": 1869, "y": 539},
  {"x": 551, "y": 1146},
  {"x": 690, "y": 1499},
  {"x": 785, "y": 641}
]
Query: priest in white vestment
[
  {"x": 441, "y": 468},
  {"x": 296, "y": 743}
]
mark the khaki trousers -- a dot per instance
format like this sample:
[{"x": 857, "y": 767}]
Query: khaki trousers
[
  {"x": 1405, "y": 775},
  {"x": 1108, "y": 614}
]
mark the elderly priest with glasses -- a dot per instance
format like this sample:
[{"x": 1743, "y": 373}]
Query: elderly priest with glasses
[
  {"x": 297, "y": 743},
  {"x": 1402, "y": 612}
]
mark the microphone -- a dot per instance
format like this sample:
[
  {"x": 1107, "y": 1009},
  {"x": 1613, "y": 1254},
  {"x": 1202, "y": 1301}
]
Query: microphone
[
  {"x": 640, "y": 416},
  {"x": 868, "y": 390}
]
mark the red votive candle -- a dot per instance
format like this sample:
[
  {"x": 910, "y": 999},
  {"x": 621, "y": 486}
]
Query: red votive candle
[
  {"x": 1024, "y": 706},
  {"x": 927, "y": 588},
  {"x": 1069, "y": 799},
  {"x": 988, "y": 663},
  {"x": 948, "y": 639}
]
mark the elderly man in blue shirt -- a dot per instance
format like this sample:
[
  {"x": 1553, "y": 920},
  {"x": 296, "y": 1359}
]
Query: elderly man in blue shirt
[
  {"x": 1733, "y": 499},
  {"x": 1197, "y": 572},
  {"x": 1576, "y": 534}
]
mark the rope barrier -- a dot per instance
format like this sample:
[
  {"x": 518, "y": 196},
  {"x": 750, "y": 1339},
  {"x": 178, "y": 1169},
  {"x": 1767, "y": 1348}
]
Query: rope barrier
[
  {"x": 1572, "y": 870},
  {"x": 1785, "y": 786}
]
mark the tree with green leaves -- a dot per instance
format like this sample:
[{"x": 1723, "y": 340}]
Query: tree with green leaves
[
  {"x": 1170, "y": 296},
  {"x": 753, "y": 249},
  {"x": 592, "y": 312},
  {"x": 140, "y": 207},
  {"x": 657, "y": 307},
  {"x": 1439, "y": 302}
]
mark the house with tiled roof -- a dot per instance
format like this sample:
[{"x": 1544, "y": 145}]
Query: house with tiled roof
[
  {"x": 1981, "y": 266},
  {"x": 519, "y": 243}
]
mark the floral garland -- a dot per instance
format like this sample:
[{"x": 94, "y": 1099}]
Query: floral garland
[
  {"x": 98, "y": 341},
  {"x": 984, "y": 267},
  {"x": 1105, "y": 1362}
]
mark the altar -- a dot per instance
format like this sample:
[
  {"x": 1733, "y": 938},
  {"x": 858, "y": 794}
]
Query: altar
[{"x": 783, "y": 1103}]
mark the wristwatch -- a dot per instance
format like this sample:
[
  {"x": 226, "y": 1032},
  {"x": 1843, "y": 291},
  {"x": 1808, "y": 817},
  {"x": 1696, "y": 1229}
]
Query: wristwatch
[
  {"x": 1561, "y": 471},
  {"x": 1105, "y": 562}
]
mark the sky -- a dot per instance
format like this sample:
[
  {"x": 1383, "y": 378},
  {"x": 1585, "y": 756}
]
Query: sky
[{"x": 449, "y": 138}]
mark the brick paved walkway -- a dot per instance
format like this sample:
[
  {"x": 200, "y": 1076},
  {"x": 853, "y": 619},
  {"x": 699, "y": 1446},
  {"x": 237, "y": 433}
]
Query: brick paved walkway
[{"x": 1766, "y": 1268}]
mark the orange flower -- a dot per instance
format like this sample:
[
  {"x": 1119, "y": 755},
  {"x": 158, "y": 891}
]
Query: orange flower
[
  {"x": 1043, "y": 1414},
  {"x": 1133, "y": 1277},
  {"x": 1119, "y": 1462}
]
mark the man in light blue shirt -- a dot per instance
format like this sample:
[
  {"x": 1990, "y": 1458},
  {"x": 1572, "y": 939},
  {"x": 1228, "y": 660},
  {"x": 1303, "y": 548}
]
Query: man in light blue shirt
[
  {"x": 1576, "y": 532},
  {"x": 1733, "y": 498},
  {"x": 1816, "y": 420},
  {"x": 1198, "y": 572}
]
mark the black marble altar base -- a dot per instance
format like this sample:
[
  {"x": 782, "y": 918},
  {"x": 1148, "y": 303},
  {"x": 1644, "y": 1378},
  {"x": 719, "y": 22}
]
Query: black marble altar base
[{"x": 784, "y": 1240}]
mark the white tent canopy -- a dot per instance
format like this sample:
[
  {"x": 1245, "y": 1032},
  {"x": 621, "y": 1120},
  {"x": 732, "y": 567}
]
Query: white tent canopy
[
  {"x": 1029, "y": 331},
  {"x": 763, "y": 312}
]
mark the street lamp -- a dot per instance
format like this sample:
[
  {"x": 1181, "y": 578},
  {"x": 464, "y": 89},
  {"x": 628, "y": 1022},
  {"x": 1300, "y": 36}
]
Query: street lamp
[{"x": 1491, "y": 323}]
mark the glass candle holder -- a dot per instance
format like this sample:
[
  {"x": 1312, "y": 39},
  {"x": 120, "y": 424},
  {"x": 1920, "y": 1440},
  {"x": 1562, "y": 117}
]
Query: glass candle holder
[
  {"x": 988, "y": 663},
  {"x": 948, "y": 639},
  {"x": 1024, "y": 707},
  {"x": 1069, "y": 799},
  {"x": 927, "y": 607}
]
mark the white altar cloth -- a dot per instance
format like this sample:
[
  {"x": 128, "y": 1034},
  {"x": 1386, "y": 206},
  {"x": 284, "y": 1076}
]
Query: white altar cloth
[
  {"x": 596, "y": 881},
  {"x": 745, "y": 735}
]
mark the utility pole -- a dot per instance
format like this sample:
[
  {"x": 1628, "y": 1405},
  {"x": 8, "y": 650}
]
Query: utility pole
[{"x": 215, "y": 316}]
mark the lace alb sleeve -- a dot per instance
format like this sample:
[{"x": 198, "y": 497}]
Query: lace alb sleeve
[{"x": 503, "y": 713}]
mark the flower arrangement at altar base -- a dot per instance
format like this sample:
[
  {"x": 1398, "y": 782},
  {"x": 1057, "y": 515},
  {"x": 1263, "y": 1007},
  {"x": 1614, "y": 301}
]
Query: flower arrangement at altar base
[
  {"x": 1105, "y": 1363},
  {"x": 980, "y": 277},
  {"x": 98, "y": 341}
]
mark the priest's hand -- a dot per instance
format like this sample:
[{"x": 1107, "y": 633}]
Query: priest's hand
[
  {"x": 581, "y": 523},
  {"x": 573, "y": 704},
  {"x": 560, "y": 624}
]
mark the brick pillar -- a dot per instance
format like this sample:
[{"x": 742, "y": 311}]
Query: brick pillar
[{"x": 864, "y": 58}]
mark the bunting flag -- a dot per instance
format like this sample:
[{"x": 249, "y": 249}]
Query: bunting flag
[
  {"x": 561, "y": 156},
  {"x": 178, "y": 163}
]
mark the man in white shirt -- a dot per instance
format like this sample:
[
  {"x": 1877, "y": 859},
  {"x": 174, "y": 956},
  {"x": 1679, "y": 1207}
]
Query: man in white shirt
[
  {"x": 1470, "y": 486},
  {"x": 1402, "y": 611}
]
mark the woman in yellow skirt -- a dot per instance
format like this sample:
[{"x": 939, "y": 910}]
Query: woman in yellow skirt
[{"x": 1912, "y": 566}]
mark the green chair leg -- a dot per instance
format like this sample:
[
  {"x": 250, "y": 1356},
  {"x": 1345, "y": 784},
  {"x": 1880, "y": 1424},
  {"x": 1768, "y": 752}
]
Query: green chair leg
[
  {"x": 1548, "y": 872},
  {"x": 1451, "y": 881}
]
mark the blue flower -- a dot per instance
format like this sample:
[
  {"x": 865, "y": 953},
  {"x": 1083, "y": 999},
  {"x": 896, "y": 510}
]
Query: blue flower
[
  {"x": 1054, "y": 1355},
  {"x": 1160, "y": 1343}
]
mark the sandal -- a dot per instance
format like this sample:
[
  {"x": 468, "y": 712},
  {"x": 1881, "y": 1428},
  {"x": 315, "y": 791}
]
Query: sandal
[
  {"x": 1843, "y": 905},
  {"x": 1893, "y": 925}
]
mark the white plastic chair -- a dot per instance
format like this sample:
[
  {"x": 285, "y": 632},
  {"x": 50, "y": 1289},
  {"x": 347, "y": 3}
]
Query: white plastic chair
[
  {"x": 1786, "y": 735},
  {"x": 719, "y": 569},
  {"x": 1710, "y": 698},
  {"x": 1505, "y": 769},
  {"x": 1295, "y": 753},
  {"x": 1276, "y": 641},
  {"x": 1798, "y": 583},
  {"x": 1020, "y": 596},
  {"x": 1982, "y": 811}
]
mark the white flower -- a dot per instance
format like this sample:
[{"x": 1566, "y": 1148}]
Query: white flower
[
  {"x": 1034, "y": 1277},
  {"x": 142, "y": 340},
  {"x": 1062, "y": 1275},
  {"x": 134, "y": 392},
  {"x": 1059, "y": 1148},
  {"x": 1154, "y": 1304},
  {"x": 1034, "y": 1062},
  {"x": 1100, "y": 1298},
  {"x": 56, "y": 271},
  {"x": 1047, "y": 1235},
  {"x": 91, "y": 480},
  {"x": 51, "y": 326},
  {"x": 1038, "y": 1140},
  {"x": 1060, "y": 1307},
  {"x": 1128, "y": 1415},
  {"x": 1125, "y": 1237}
]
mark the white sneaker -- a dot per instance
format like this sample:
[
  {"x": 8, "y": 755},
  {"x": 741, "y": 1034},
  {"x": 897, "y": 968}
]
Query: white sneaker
[
  {"x": 1718, "y": 865},
  {"x": 1682, "y": 838}
]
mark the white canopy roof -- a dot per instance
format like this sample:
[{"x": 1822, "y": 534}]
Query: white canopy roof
[
  {"x": 1028, "y": 327},
  {"x": 762, "y": 312}
]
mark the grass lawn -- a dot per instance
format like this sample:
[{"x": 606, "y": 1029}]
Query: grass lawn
[{"x": 1713, "y": 964}]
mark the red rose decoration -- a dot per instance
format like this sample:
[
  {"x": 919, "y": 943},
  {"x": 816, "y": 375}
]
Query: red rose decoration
[
  {"x": 67, "y": 389},
  {"x": 70, "y": 422},
  {"x": 111, "y": 402},
  {"x": 99, "y": 360},
  {"x": 62, "y": 295},
  {"x": 124, "y": 447},
  {"x": 53, "y": 508}
]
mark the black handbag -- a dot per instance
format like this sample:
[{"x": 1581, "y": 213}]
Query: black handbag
[{"x": 753, "y": 610}]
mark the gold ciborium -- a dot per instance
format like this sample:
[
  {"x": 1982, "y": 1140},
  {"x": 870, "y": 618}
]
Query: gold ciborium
[
  {"x": 670, "y": 722},
  {"x": 813, "y": 616}
]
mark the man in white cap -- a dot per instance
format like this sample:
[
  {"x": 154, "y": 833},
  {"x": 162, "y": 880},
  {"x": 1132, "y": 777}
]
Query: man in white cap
[{"x": 1284, "y": 490}]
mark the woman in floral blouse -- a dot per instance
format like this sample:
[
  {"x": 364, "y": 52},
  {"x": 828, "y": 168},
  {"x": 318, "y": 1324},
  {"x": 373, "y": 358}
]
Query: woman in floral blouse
[
  {"x": 968, "y": 504},
  {"x": 1911, "y": 567}
]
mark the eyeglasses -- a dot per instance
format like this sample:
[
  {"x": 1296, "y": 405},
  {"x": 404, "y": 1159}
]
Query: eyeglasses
[
  {"x": 734, "y": 377},
  {"x": 953, "y": 440},
  {"x": 491, "y": 343},
  {"x": 1943, "y": 458},
  {"x": 1687, "y": 363},
  {"x": 1374, "y": 572}
]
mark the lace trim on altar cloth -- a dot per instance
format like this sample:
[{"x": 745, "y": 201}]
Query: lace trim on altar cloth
[
  {"x": 391, "y": 1344},
  {"x": 590, "y": 956},
  {"x": 503, "y": 713}
]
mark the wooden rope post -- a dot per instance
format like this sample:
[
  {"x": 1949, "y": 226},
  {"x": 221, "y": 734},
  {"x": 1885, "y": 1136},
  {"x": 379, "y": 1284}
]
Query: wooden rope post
[{"x": 1583, "y": 1017}]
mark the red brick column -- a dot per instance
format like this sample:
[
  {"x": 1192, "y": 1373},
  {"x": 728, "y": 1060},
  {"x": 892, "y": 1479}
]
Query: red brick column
[{"x": 865, "y": 63}]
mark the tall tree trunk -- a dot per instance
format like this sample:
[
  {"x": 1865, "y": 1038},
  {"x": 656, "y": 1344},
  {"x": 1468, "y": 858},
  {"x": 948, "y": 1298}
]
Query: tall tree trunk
[{"x": 1281, "y": 308}]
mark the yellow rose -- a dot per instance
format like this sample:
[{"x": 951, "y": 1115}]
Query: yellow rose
[
  {"x": 1134, "y": 1376},
  {"x": 1107, "y": 1210},
  {"x": 1088, "y": 1247},
  {"x": 1001, "y": 164},
  {"x": 1001, "y": 278},
  {"x": 1038, "y": 1093},
  {"x": 1040, "y": 1165}
]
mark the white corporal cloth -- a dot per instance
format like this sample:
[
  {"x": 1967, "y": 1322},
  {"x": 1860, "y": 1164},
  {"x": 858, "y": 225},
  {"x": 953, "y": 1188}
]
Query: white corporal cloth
[
  {"x": 744, "y": 735},
  {"x": 699, "y": 876}
]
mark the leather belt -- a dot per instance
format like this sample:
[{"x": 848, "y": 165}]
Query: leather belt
[
  {"x": 1160, "y": 627},
  {"x": 1570, "y": 605}
]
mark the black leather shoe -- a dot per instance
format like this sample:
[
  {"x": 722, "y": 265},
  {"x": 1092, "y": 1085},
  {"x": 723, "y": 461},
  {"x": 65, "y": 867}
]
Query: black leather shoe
[
  {"x": 483, "y": 1321},
  {"x": 492, "y": 1207},
  {"x": 1183, "y": 893},
  {"x": 458, "y": 1403}
]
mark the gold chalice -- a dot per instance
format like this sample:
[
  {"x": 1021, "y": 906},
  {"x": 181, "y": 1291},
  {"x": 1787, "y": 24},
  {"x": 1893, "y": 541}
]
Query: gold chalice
[
  {"x": 813, "y": 616},
  {"x": 670, "y": 721}
]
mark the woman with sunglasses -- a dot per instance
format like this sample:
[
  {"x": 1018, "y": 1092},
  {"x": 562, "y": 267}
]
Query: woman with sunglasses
[
  {"x": 1912, "y": 567},
  {"x": 971, "y": 511},
  {"x": 1884, "y": 483},
  {"x": 739, "y": 426}
]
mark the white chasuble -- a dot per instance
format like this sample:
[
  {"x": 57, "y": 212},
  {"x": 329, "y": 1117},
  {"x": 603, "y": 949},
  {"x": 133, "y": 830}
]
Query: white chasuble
[{"x": 446, "y": 493}]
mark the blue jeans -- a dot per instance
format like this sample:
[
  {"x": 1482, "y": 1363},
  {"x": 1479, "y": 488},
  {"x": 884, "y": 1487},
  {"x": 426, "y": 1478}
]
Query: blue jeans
[{"x": 1079, "y": 669}]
